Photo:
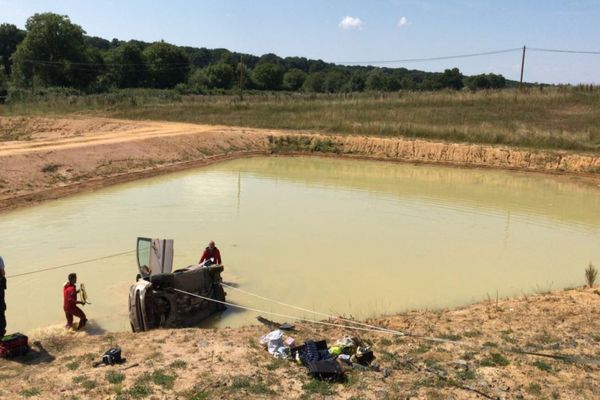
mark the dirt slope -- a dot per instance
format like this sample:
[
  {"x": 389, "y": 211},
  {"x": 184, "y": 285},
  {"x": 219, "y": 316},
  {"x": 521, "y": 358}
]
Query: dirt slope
[
  {"x": 230, "y": 363},
  {"x": 44, "y": 158}
]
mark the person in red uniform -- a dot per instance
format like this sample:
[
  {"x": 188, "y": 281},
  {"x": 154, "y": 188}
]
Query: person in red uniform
[
  {"x": 70, "y": 303},
  {"x": 211, "y": 252}
]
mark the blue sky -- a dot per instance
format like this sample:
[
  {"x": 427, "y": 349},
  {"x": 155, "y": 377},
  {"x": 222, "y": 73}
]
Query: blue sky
[{"x": 375, "y": 29}]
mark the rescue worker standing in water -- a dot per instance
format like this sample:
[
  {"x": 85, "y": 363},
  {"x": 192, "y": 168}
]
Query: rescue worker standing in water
[
  {"x": 70, "y": 303},
  {"x": 211, "y": 252}
]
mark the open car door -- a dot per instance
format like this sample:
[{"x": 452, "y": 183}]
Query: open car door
[{"x": 154, "y": 256}]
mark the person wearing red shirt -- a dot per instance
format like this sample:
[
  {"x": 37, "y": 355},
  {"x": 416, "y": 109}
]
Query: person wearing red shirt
[
  {"x": 70, "y": 303},
  {"x": 211, "y": 252}
]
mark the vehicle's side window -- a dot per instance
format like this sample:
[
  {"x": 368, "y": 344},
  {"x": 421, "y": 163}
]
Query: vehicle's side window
[{"x": 143, "y": 255}]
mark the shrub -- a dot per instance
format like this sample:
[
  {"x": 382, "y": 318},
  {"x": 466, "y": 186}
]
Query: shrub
[
  {"x": 318, "y": 387},
  {"x": 495, "y": 360},
  {"x": 114, "y": 377},
  {"x": 590, "y": 275}
]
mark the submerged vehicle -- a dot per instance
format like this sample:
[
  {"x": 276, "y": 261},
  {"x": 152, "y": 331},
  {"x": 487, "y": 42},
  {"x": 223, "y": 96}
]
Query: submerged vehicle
[{"x": 156, "y": 299}]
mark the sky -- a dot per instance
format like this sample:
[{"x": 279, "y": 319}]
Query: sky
[{"x": 357, "y": 30}]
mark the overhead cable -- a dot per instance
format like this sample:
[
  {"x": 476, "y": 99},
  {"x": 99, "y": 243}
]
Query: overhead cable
[{"x": 72, "y": 264}]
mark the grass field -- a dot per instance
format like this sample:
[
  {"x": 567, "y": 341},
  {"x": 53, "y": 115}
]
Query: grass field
[{"x": 552, "y": 118}]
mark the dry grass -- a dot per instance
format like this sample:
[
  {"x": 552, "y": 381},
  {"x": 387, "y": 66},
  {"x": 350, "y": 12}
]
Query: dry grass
[{"x": 555, "y": 118}]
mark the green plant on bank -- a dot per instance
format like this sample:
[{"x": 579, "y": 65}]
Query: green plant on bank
[
  {"x": 30, "y": 392},
  {"x": 84, "y": 382},
  {"x": 161, "y": 378},
  {"x": 178, "y": 364},
  {"x": 495, "y": 360},
  {"x": 115, "y": 377},
  {"x": 534, "y": 389},
  {"x": 557, "y": 118},
  {"x": 73, "y": 365},
  {"x": 247, "y": 383},
  {"x": 315, "y": 386},
  {"x": 196, "y": 394},
  {"x": 466, "y": 375},
  {"x": 543, "y": 366},
  {"x": 590, "y": 275}
]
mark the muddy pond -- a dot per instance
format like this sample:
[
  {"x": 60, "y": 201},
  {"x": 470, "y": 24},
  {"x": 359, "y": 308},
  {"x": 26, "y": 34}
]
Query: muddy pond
[{"x": 359, "y": 238}]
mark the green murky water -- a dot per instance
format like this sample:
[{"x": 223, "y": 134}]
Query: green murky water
[{"x": 353, "y": 237}]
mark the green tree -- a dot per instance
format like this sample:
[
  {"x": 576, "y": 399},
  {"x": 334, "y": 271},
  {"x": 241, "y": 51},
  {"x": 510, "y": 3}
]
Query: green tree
[
  {"x": 53, "y": 53},
  {"x": 314, "y": 82},
  {"x": 127, "y": 67},
  {"x": 294, "y": 79},
  {"x": 478, "y": 82},
  {"x": 168, "y": 65},
  {"x": 497, "y": 81},
  {"x": 376, "y": 80},
  {"x": 10, "y": 37},
  {"x": 334, "y": 80},
  {"x": 357, "y": 82},
  {"x": 198, "y": 81},
  {"x": 220, "y": 76},
  {"x": 267, "y": 76},
  {"x": 452, "y": 79}
]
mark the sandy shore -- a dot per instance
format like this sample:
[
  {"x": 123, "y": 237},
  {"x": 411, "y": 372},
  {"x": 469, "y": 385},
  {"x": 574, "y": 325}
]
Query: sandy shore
[
  {"x": 47, "y": 158},
  {"x": 477, "y": 360}
]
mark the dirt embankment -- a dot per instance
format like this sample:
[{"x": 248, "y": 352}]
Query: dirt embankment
[
  {"x": 45, "y": 158},
  {"x": 476, "y": 361}
]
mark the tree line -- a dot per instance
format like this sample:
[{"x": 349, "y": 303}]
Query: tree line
[{"x": 54, "y": 52}]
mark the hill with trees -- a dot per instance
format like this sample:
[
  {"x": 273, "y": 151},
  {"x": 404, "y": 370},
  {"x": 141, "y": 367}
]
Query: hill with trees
[{"x": 52, "y": 51}]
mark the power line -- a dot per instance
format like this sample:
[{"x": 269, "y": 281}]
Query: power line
[
  {"x": 563, "y": 51},
  {"x": 73, "y": 264},
  {"x": 410, "y": 60}
]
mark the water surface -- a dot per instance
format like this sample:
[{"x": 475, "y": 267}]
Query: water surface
[{"x": 354, "y": 237}]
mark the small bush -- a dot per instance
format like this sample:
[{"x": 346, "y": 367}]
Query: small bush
[
  {"x": 495, "y": 360},
  {"x": 84, "y": 382},
  {"x": 30, "y": 392},
  {"x": 163, "y": 379},
  {"x": 318, "y": 387},
  {"x": 196, "y": 394},
  {"x": 590, "y": 275},
  {"x": 534, "y": 389},
  {"x": 543, "y": 366},
  {"x": 139, "y": 391},
  {"x": 73, "y": 365},
  {"x": 115, "y": 377},
  {"x": 466, "y": 375},
  {"x": 178, "y": 364}
]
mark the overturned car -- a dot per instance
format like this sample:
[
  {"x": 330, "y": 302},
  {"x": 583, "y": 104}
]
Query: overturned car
[{"x": 164, "y": 299}]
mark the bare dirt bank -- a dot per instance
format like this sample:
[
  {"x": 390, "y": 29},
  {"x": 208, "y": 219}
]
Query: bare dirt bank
[
  {"x": 477, "y": 360},
  {"x": 46, "y": 158}
]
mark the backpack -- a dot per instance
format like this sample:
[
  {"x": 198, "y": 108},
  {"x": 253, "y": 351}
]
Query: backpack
[
  {"x": 112, "y": 356},
  {"x": 14, "y": 345}
]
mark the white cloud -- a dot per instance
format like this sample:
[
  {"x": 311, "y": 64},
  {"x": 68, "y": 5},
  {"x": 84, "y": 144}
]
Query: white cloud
[
  {"x": 403, "y": 22},
  {"x": 351, "y": 23}
]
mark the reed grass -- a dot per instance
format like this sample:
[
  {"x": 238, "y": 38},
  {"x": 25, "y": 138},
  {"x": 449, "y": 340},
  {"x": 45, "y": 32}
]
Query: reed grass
[{"x": 553, "y": 118}]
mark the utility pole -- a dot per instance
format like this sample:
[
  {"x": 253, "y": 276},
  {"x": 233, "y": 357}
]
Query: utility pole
[{"x": 522, "y": 67}]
